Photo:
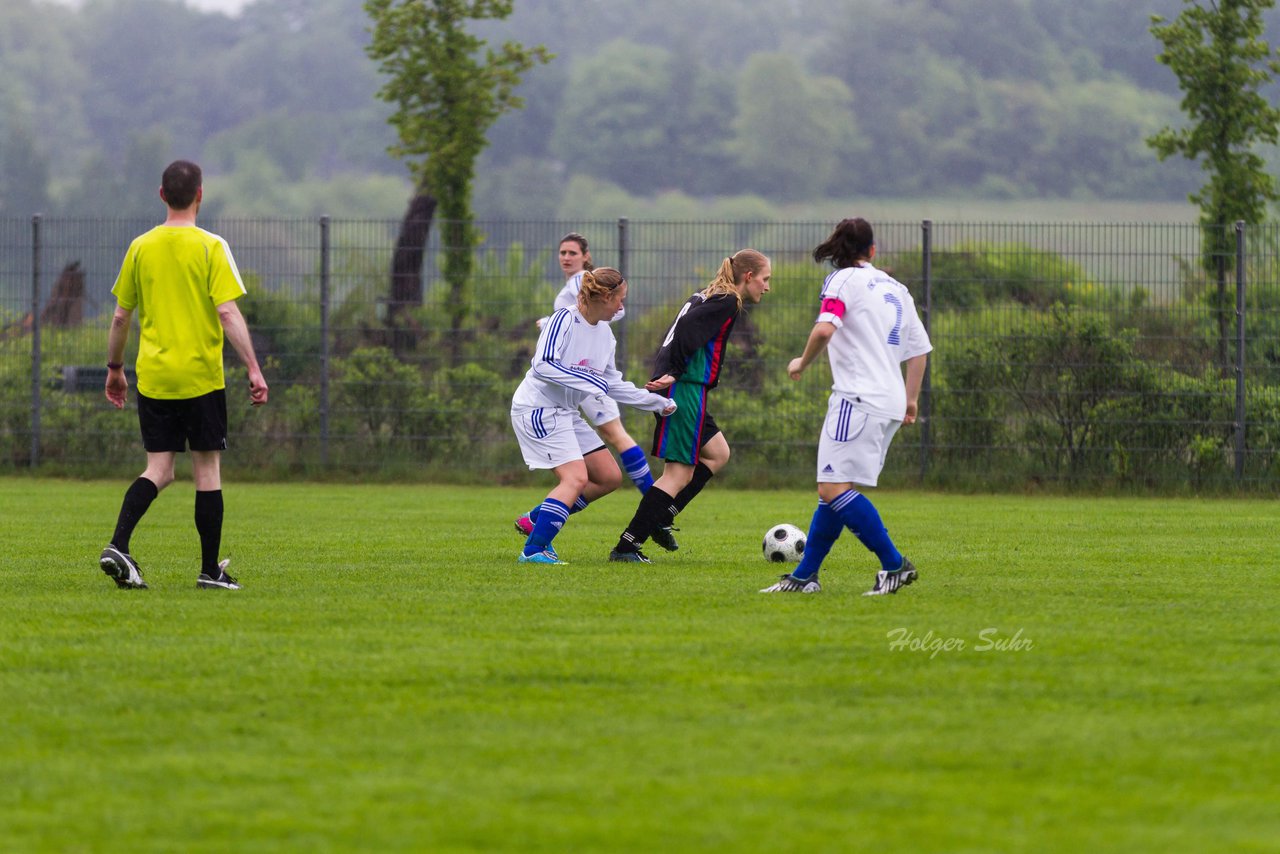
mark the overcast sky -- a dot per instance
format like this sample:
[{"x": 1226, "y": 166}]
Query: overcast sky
[{"x": 229, "y": 7}]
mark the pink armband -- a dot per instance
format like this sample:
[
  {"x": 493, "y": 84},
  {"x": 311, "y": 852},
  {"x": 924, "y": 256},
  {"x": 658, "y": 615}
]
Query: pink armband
[{"x": 833, "y": 307}]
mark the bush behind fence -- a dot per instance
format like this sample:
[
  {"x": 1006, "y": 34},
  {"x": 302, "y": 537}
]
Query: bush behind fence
[{"x": 1083, "y": 355}]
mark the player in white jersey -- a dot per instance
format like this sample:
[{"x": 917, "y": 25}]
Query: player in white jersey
[
  {"x": 599, "y": 410},
  {"x": 573, "y": 361},
  {"x": 869, "y": 327}
]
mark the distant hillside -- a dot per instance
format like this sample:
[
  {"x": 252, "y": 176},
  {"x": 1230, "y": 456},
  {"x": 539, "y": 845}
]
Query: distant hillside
[{"x": 788, "y": 103}]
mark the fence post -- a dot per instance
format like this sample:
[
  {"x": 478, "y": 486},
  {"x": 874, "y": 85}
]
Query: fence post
[
  {"x": 324, "y": 341},
  {"x": 35, "y": 341},
  {"x": 620, "y": 331},
  {"x": 1240, "y": 411},
  {"x": 926, "y": 385}
]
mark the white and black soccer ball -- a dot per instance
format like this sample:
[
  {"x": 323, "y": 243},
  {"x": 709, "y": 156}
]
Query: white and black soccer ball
[{"x": 783, "y": 544}]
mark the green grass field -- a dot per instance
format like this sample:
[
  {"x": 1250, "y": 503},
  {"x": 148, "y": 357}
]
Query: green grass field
[{"x": 391, "y": 680}]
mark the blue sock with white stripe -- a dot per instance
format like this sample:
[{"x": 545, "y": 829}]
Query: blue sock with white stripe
[
  {"x": 860, "y": 516},
  {"x": 637, "y": 466},
  {"x": 551, "y": 518},
  {"x": 578, "y": 506},
  {"x": 824, "y": 530}
]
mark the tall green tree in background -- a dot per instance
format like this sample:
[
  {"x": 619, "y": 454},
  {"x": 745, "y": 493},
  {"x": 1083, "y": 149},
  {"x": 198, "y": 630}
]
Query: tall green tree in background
[
  {"x": 1222, "y": 61},
  {"x": 448, "y": 88}
]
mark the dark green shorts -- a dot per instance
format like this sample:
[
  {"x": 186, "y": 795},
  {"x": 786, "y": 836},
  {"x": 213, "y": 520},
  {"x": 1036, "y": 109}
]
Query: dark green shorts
[{"x": 680, "y": 437}]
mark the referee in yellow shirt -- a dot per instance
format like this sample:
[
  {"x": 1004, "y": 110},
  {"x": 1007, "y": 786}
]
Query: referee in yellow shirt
[{"x": 183, "y": 282}]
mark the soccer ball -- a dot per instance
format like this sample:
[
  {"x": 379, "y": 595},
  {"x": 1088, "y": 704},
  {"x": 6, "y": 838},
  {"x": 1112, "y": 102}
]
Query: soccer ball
[{"x": 783, "y": 544}]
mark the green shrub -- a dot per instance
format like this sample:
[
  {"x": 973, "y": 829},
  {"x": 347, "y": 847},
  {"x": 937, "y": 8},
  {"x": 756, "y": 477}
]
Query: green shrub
[
  {"x": 284, "y": 330},
  {"x": 378, "y": 397},
  {"x": 973, "y": 275},
  {"x": 969, "y": 407},
  {"x": 467, "y": 410}
]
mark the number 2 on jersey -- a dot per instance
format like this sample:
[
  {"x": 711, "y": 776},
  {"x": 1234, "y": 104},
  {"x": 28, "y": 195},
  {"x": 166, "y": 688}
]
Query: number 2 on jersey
[{"x": 897, "y": 323}]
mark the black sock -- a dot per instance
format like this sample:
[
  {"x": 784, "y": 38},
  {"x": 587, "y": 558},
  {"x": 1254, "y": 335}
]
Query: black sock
[
  {"x": 701, "y": 474},
  {"x": 655, "y": 511},
  {"x": 137, "y": 499},
  {"x": 209, "y": 524}
]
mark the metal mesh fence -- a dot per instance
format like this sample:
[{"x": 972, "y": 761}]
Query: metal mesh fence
[{"x": 1086, "y": 354}]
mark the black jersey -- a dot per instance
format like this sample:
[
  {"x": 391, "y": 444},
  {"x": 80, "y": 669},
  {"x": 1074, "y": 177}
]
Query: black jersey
[{"x": 693, "y": 351}]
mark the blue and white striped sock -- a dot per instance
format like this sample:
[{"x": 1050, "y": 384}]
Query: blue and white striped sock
[
  {"x": 551, "y": 518},
  {"x": 637, "y": 466},
  {"x": 860, "y": 516},
  {"x": 578, "y": 507},
  {"x": 824, "y": 530}
]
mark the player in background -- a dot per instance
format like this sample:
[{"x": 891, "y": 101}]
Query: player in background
[
  {"x": 686, "y": 368},
  {"x": 868, "y": 325},
  {"x": 599, "y": 411},
  {"x": 183, "y": 282},
  {"x": 574, "y": 361}
]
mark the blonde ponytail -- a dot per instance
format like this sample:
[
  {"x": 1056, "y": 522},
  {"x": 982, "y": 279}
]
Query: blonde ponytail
[{"x": 731, "y": 269}]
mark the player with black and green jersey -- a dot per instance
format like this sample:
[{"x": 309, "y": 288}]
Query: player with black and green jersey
[
  {"x": 686, "y": 368},
  {"x": 693, "y": 353}
]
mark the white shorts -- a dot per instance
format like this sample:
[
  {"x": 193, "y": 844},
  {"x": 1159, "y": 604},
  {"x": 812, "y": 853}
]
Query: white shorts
[
  {"x": 600, "y": 409},
  {"x": 551, "y": 437},
  {"x": 853, "y": 443}
]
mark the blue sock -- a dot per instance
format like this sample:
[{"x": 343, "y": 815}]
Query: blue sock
[
  {"x": 551, "y": 518},
  {"x": 637, "y": 466},
  {"x": 824, "y": 530},
  {"x": 579, "y": 505},
  {"x": 859, "y": 515}
]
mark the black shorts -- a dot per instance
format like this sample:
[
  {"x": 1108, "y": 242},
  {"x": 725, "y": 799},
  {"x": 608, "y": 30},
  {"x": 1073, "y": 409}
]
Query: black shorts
[{"x": 170, "y": 425}]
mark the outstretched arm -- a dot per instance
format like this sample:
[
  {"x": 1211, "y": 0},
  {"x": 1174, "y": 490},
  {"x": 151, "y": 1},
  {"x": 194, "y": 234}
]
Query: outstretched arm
[
  {"x": 237, "y": 331},
  {"x": 818, "y": 338}
]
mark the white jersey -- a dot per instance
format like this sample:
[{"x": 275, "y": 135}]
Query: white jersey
[
  {"x": 877, "y": 329},
  {"x": 574, "y": 361},
  {"x": 568, "y": 296}
]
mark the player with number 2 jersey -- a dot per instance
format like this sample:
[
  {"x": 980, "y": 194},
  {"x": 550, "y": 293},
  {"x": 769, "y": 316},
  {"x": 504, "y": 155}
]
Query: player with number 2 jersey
[
  {"x": 869, "y": 327},
  {"x": 876, "y": 330}
]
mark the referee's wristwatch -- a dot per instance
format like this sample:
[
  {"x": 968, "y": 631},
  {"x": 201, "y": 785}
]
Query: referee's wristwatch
[{"x": 114, "y": 366}]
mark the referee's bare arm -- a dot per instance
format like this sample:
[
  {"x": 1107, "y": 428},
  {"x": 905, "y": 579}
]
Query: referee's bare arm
[
  {"x": 117, "y": 388},
  {"x": 237, "y": 331}
]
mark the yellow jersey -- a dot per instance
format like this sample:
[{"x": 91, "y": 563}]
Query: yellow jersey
[{"x": 176, "y": 276}]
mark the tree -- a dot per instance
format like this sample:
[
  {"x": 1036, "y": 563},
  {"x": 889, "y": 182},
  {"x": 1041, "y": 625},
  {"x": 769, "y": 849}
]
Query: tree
[
  {"x": 42, "y": 79},
  {"x": 126, "y": 186},
  {"x": 1221, "y": 61},
  {"x": 448, "y": 88},
  {"x": 120, "y": 50},
  {"x": 793, "y": 132},
  {"x": 24, "y": 168},
  {"x": 614, "y": 124}
]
